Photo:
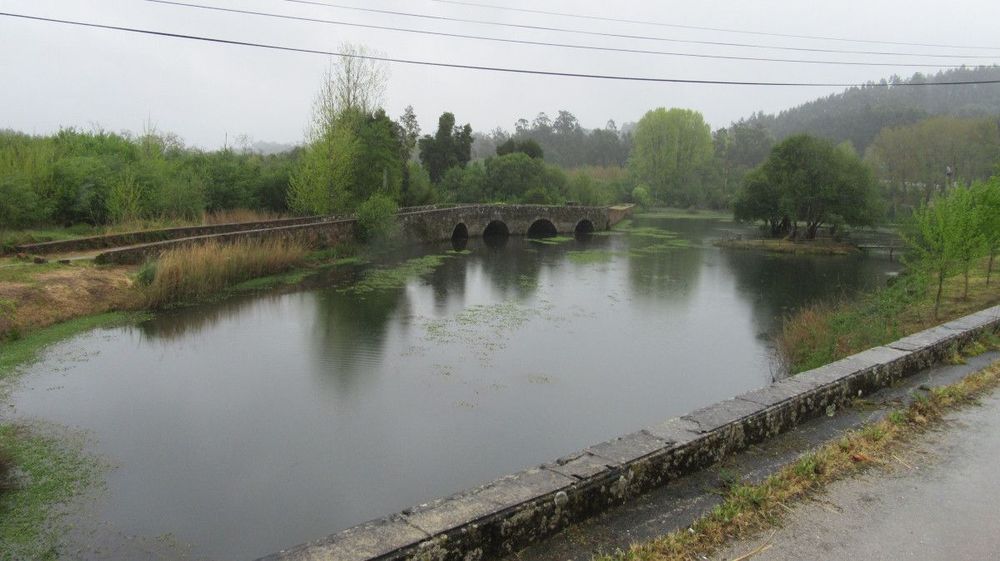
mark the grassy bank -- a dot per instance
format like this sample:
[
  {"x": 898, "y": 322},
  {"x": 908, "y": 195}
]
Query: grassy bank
[
  {"x": 823, "y": 333},
  {"x": 749, "y": 509},
  {"x": 819, "y": 247}
]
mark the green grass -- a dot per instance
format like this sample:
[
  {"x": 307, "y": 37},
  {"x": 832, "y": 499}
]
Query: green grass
[
  {"x": 553, "y": 240},
  {"x": 26, "y": 349},
  {"x": 680, "y": 213},
  {"x": 51, "y": 471}
]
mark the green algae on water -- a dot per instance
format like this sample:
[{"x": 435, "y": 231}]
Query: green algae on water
[{"x": 396, "y": 277}]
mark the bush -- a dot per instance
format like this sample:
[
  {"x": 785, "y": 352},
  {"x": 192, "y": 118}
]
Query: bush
[
  {"x": 376, "y": 218},
  {"x": 19, "y": 205},
  {"x": 641, "y": 197}
]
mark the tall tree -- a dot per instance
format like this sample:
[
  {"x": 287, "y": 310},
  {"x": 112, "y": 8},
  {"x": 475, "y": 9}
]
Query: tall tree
[
  {"x": 449, "y": 147},
  {"x": 671, "y": 148}
]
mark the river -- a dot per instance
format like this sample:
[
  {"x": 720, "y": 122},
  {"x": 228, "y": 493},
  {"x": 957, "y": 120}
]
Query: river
[{"x": 247, "y": 426}]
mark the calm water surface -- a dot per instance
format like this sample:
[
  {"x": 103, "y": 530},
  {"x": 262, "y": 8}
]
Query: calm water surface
[{"x": 258, "y": 423}]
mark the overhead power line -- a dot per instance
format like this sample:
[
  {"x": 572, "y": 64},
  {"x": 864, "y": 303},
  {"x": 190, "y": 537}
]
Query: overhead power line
[
  {"x": 717, "y": 29},
  {"x": 500, "y": 69},
  {"x": 624, "y": 35},
  {"x": 544, "y": 43}
]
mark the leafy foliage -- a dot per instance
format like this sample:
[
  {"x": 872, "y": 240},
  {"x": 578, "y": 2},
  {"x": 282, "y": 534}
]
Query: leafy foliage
[
  {"x": 671, "y": 151},
  {"x": 809, "y": 180},
  {"x": 448, "y": 148}
]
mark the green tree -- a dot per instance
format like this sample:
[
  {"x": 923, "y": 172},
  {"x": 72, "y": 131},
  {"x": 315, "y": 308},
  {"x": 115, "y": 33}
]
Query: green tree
[
  {"x": 988, "y": 212},
  {"x": 449, "y": 147},
  {"x": 670, "y": 150},
  {"x": 810, "y": 181}
]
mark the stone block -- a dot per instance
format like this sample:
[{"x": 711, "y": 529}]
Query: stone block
[
  {"x": 927, "y": 339},
  {"x": 628, "y": 448},
  {"x": 781, "y": 391},
  {"x": 467, "y": 508},
  {"x": 581, "y": 466},
  {"x": 387, "y": 538},
  {"x": 675, "y": 431},
  {"x": 723, "y": 413}
]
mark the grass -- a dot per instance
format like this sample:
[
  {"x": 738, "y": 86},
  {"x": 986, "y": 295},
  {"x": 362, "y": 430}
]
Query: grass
[
  {"x": 591, "y": 256},
  {"x": 194, "y": 272},
  {"x": 682, "y": 213},
  {"x": 825, "y": 332},
  {"x": 50, "y": 471},
  {"x": 14, "y": 353},
  {"x": 747, "y": 509},
  {"x": 819, "y": 247}
]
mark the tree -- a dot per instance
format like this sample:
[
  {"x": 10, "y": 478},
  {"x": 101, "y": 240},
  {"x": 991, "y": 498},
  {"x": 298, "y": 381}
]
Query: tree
[
  {"x": 529, "y": 147},
  {"x": 356, "y": 150},
  {"x": 987, "y": 195},
  {"x": 809, "y": 180},
  {"x": 449, "y": 147},
  {"x": 352, "y": 82},
  {"x": 410, "y": 130},
  {"x": 670, "y": 149}
]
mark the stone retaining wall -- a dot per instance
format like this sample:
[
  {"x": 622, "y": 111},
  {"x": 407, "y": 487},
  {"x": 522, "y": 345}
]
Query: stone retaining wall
[
  {"x": 321, "y": 234},
  {"x": 152, "y": 236},
  {"x": 503, "y": 516}
]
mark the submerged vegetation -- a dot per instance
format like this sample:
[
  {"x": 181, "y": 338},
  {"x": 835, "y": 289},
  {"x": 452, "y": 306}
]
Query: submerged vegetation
[{"x": 45, "y": 472}]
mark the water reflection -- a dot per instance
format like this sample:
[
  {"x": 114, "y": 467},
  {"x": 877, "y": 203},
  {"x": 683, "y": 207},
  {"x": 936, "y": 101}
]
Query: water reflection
[{"x": 253, "y": 424}]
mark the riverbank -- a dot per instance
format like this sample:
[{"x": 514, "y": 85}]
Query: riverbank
[
  {"x": 816, "y": 247},
  {"x": 825, "y": 332}
]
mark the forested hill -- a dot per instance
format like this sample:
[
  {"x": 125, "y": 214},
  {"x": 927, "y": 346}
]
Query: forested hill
[{"x": 858, "y": 114}]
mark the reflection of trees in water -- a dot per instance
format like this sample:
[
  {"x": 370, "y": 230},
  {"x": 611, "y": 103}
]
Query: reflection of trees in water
[
  {"x": 350, "y": 332},
  {"x": 777, "y": 285},
  {"x": 664, "y": 275},
  {"x": 173, "y": 325}
]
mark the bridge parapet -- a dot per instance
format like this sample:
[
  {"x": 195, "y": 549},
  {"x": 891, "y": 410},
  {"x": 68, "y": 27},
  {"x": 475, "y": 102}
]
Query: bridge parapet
[{"x": 473, "y": 220}]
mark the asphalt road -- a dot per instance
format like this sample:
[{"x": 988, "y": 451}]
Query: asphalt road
[{"x": 944, "y": 505}]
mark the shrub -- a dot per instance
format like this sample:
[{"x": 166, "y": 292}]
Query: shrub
[
  {"x": 641, "y": 197},
  {"x": 376, "y": 218}
]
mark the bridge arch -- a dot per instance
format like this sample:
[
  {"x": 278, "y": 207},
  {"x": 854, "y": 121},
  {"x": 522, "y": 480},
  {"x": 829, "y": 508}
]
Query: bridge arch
[
  {"x": 542, "y": 228},
  {"x": 584, "y": 226},
  {"x": 496, "y": 229},
  {"x": 461, "y": 232}
]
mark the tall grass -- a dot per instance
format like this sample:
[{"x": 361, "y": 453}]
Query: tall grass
[
  {"x": 825, "y": 332},
  {"x": 239, "y": 215},
  {"x": 194, "y": 272}
]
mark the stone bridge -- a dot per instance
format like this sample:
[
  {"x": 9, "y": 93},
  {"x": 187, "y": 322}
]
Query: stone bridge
[
  {"x": 423, "y": 224},
  {"x": 500, "y": 220}
]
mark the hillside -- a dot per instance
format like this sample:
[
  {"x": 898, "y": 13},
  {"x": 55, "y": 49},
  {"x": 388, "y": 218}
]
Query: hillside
[{"x": 858, "y": 114}]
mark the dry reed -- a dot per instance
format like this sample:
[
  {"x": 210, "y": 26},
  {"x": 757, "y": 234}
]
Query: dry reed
[{"x": 193, "y": 272}]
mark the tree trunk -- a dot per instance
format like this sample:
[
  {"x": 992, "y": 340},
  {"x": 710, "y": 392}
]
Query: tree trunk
[
  {"x": 965, "y": 273},
  {"x": 989, "y": 268},
  {"x": 937, "y": 298}
]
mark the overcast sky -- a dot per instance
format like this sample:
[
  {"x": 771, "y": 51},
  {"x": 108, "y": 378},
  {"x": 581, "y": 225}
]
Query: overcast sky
[{"x": 53, "y": 75}]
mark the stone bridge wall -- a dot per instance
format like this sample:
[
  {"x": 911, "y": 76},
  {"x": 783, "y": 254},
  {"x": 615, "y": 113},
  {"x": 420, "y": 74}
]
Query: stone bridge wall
[
  {"x": 152, "y": 236},
  {"x": 426, "y": 225},
  {"x": 440, "y": 224}
]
